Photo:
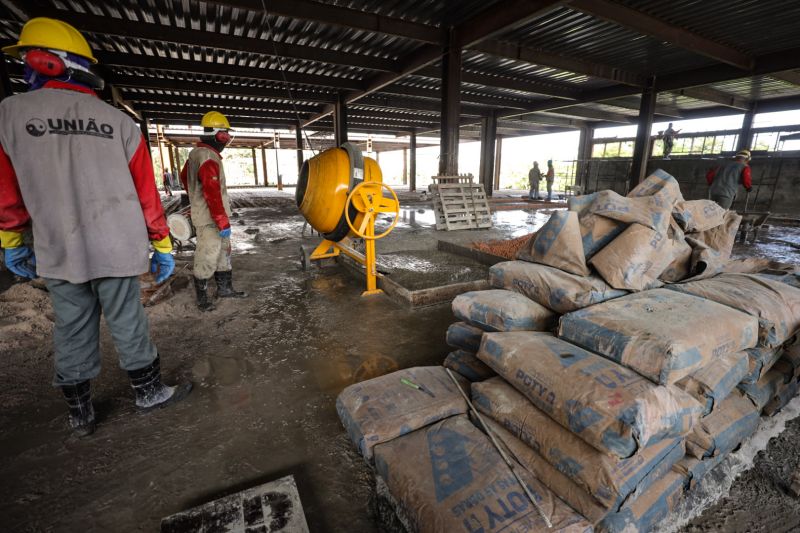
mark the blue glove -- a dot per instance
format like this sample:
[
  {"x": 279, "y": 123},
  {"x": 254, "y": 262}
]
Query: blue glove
[
  {"x": 225, "y": 233},
  {"x": 21, "y": 261},
  {"x": 163, "y": 263}
]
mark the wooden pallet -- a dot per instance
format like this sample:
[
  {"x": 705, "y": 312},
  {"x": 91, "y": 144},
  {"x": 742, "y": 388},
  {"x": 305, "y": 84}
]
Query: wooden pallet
[{"x": 460, "y": 206}]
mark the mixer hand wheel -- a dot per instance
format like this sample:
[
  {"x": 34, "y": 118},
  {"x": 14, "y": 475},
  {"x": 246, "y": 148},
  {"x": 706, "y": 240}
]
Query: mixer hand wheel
[{"x": 367, "y": 197}]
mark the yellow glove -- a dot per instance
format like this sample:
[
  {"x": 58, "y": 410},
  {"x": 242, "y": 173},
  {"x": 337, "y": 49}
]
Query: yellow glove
[
  {"x": 12, "y": 239},
  {"x": 164, "y": 245}
]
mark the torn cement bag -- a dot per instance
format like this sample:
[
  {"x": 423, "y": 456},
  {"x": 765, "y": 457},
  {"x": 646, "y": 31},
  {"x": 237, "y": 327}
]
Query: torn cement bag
[
  {"x": 562, "y": 486},
  {"x": 448, "y": 477},
  {"x": 645, "y": 210},
  {"x": 660, "y": 185},
  {"x": 723, "y": 236},
  {"x": 766, "y": 388},
  {"x": 698, "y": 215},
  {"x": 634, "y": 260},
  {"x": 760, "y": 360},
  {"x": 711, "y": 384},
  {"x": 463, "y": 336},
  {"x": 784, "y": 395},
  {"x": 502, "y": 310},
  {"x": 383, "y": 408},
  {"x": 608, "y": 406},
  {"x": 648, "y": 511},
  {"x": 608, "y": 479},
  {"x": 555, "y": 289},
  {"x": 468, "y": 365},
  {"x": 681, "y": 253},
  {"x": 558, "y": 244},
  {"x": 776, "y": 305},
  {"x": 705, "y": 262},
  {"x": 663, "y": 335},
  {"x": 724, "y": 429}
]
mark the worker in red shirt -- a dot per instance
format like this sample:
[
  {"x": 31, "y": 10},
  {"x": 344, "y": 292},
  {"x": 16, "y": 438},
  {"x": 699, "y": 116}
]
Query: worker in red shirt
[
  {"x": 724, "y": 180},
  {"x": 79, "y": 171},
  {"x": 203, "y": 178}
]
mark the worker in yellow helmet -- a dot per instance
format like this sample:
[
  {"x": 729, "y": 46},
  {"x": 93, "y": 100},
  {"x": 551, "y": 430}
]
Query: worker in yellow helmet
[
  {"x": 79, "y": 171},
  {"x": 203, "y": 178}
]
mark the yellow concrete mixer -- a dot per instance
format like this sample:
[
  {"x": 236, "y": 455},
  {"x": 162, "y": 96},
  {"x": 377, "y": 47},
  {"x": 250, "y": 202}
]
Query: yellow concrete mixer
[{"x": 340, "y": 194}]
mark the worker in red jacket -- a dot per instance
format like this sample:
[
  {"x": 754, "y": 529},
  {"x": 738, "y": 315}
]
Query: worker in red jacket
[
  {"x": 79, "y": 170},
  {"x": 724, "y": 180},
  {"x": 203, "y": 178}
]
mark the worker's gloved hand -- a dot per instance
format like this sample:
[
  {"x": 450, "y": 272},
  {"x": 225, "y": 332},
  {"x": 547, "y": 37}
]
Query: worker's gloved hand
[
  {"x": 21, "y": 261},
  {"x": 225, "y": 233},
  {"x": 162, "y": 260}
]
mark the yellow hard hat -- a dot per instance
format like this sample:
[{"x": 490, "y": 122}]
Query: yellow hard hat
[
  {"x": 216, "y": 120},
  {"x": 743, "y": 153},
  {"x": 43, "y": 32}
]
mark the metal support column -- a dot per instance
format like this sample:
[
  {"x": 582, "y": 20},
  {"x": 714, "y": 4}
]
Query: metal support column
[
  {"x": 746, "y": 134},
  {"x": 171, "y": 160},
  {"x": 264, "y": 165},
  {"x": 412, "y": 161},
  {"x": 340, "y": 121},
  {"x": 159, "y": 141},
  {"x": 488, "y": 139},
  {"x": 255, "y": 166},
  {"x": 178, "y": 166},
  {"x": 145, "y": 126},
  {"x": 451, "y": 107},
  {"x": 584, "y": 155},
  {"x": 497, "y": 153},
  {"x": 641, "y": 150},
  {"x": 405, "y": 166},
  {"x": 298, "y": 137},
  {"x": 278, "y": 168}
]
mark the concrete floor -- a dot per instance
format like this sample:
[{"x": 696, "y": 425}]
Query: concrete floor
[{"x": 267, "y": 371}]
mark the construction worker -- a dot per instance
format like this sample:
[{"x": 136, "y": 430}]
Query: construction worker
[
  {"x": 79, "y": 171},
  {"x": 203, "y": 178},
  {"x": 668, "y": 136},
  {"x": 534, "y": 177},
  {"x": 724, "y": 180},
  {"x": 550, "y": 177}
]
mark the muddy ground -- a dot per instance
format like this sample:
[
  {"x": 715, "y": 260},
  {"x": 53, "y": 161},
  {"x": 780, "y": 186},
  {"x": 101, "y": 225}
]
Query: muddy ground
[{"x": 267, "y": 371}]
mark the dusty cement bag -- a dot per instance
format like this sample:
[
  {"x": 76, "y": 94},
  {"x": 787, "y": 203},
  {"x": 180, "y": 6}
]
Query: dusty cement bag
[
  {"x": 449, "y": 478},
  {"x": 711, "y": 384},
  {"x": 723, "y": 236},
  {"x": 693, "y": 470},
  {"x": 558, "y": 244},
  {"x": 562, "y": 486},
  {"x": 468, "y": 365},
  {"x": 648, "y": 510},
  {"x": 698, "y": 215},
  {"x": 634, "y": 260},
  {"x": 766, "y": 388},
  {"x": 777, "y": 306},
  {"x": 606, "y": 478},
  {"x": 784, "y": 395},
  {"x": 553, "y": 288},
  {"x": 502, "y": 310},
  {"x": 724, "y": 429},
  {"x": 660, "y": 185},
  {"x": 760, "y": 360},
  {"x": 383, "y": 408},
  {"x": 463, "y": 336},
  {"x": 608, "y": 406},
  {"x": 596, "y": 230},
  {"x": 663, "y": 335},
  {"x": 646, "y": 210},
  {"x": 680, "y": 253}
]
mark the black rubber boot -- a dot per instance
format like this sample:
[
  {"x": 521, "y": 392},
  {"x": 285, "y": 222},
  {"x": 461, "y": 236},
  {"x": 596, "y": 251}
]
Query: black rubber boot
[
  {"x": 150, "y": 392},
  {"x": 81, "y": 411},
  {"x": 204, "y": 303},
  {"x": 225, "y": 285}
]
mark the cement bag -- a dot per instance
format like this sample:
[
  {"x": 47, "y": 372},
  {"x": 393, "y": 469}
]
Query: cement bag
[
  {"x": 783, "y": 396},
  {"x": 558, "y": 244},
  {"x": 693, "y": 470},
  {"x": 608, "y": 406},
  {"x": 680, "y": 253},
  {"x": 791, "y": 353},
  {"x": 724, "y": 429},
  {"x": 705, "y": 261},
  {"x": 383, "y": 408},
  {"x": 723, "y": 236},
  {"x": 766, "y": 388},
  {"x": 660, "y": 185},
  {"x": 562, "y": 486},
  {"x": 647, "y": 210},
  {"x": 634, "y": 260},
  {"x": 449, "y": 478},
  {"x": 777, "y": 306},
  {"x": 468, "y": 365},
  {"x": 502, "y": 310},
  {"x": 698, "y": 215},
  {"x": 648, "y": 511},
  {"x": 663, "y": 335},
  {"x": 608, "y": 479},
  {"x": 711, "y": 384},
  {"x": 555, "y": 289},
  {"x": 760, "y": 360},
  {"x": 463, "y": 336}
]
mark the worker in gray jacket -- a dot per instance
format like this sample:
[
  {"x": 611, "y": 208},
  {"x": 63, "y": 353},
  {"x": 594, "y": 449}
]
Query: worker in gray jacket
[
  {"x": 724, "y": 180},
  {"x": 534, "y": 177},
  {"x": 79, "y": 171}
]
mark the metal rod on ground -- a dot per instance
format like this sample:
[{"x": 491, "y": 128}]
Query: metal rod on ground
[{"x": 500, "y": 450}]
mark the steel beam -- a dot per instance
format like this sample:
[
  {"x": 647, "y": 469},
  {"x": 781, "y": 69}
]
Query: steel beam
[
  {"x": 498, "y": 152},
  {"x": 188, "y": 102},
  {"x": 488, "y": 139},
  {"x": 451, "y": 105},
  {"x": 746, "y": 134},
  {"x": 412, "y": 161},
  {"x": 144, "y": 126},
  {"x": 641, "y": 149},
  {"x": 584, "y": 155},
  {"x": 264, "y": 165},
  {"x": 298, "y": 138},
  {"x": 789, "y": 76},
  {"x": 538, "y": 86},
  {"x": 340, "y": 121},
  {"x": 716, "y": 96}
]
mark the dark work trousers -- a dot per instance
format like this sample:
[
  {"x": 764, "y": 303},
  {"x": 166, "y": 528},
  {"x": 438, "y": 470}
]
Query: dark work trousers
[{"x": 77, "y": 309}]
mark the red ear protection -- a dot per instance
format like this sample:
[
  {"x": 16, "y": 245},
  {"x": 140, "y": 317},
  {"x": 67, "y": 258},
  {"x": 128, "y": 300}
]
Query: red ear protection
[
  {"x": 45, "y": 63},
  {"x": 222, "y": 137}
]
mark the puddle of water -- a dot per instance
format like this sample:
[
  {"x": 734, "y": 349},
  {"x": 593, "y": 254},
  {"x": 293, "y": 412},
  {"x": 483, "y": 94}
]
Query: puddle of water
[{"x": 422, "y": 269}]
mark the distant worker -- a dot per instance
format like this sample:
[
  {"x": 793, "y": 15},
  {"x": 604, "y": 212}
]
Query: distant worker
[
  {"x": 203, "y": 178},
  {"x": 550, "y": 177},
  {"x": 168, "y": 183},
  {"x": 669, "y": 139},
  {"x": 79, "y": 171},
  {"x": 724, "y": 180},
  {"x": 534, "y": 177}
]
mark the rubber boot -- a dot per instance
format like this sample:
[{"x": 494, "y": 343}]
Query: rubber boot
[
  {"x": 81, "y": 410},
  {"x": 225, "y": 288},
  {"x": 149, "y": 390},
  {"x": 204, "y": 303}
]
